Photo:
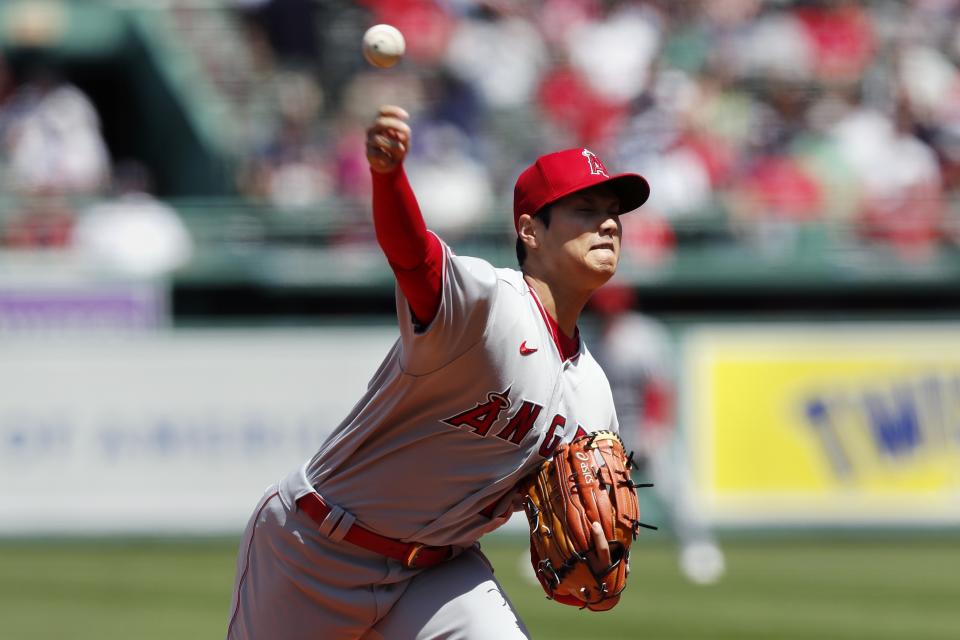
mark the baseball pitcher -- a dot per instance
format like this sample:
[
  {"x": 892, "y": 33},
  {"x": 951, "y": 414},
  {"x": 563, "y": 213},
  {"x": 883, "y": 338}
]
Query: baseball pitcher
[{"x": 375, "y": 535}]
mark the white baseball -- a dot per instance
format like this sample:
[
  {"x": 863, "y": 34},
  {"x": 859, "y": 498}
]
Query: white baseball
[{"x": 383, "y": 45}]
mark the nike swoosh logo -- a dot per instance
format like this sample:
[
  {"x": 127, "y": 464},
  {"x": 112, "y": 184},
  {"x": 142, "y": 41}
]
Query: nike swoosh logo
[{"x": 525, "y": 350}]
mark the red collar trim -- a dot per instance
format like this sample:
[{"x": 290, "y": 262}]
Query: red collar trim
[{"x": 568, "y": 347}]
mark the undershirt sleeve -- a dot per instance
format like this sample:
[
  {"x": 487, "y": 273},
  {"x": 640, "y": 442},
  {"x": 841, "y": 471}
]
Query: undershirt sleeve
[{"x": 414, "y": 254}]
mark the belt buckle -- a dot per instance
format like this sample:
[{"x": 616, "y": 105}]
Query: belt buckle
[{"x": 412, "y": 555}]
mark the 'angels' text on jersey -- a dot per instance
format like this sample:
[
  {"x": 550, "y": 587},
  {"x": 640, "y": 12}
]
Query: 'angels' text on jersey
[{"x": 484, "y": 415}]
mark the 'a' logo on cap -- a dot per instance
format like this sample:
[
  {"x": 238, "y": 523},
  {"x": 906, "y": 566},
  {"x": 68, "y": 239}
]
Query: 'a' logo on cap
[{"x": 596, "y": 167}]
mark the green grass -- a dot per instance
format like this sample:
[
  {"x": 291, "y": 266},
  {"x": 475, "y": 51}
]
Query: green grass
[{"x": 876, "y": 588}]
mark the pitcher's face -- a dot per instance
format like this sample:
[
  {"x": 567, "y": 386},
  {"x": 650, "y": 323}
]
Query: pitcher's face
[{"x": 582, "y": 242}]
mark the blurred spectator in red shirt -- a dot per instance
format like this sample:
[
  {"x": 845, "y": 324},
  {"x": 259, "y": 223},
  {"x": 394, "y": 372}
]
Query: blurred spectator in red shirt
[
  {"x": 841, "y": 38},
  {"x": 45, "y": 221}
]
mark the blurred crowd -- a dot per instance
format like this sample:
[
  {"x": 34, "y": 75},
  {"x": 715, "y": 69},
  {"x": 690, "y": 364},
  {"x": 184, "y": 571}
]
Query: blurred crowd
[
  {"x": 63, "y": 191},
  {"x": 759, "y": 116}
]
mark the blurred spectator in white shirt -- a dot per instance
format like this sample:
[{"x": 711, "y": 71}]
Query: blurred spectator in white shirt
[
  {"x": 615, "y": 55},
  {"x": 902, "y": 202},
  {"x": 53, "y": 141},
  {"x": 133, "y": 234},
  {"x": 503, "y": 56},
  {"x": 453, "y": 188}
]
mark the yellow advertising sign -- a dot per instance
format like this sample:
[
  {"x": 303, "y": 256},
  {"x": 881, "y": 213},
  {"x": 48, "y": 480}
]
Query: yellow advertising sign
[{"x": 825, "y": 423}]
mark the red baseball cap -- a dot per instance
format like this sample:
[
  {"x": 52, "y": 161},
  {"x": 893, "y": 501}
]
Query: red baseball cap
[{"x": 559, "y": 174}]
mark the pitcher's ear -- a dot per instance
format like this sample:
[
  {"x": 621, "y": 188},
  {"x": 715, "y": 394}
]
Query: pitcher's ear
[{"x": 527, "y": 231}]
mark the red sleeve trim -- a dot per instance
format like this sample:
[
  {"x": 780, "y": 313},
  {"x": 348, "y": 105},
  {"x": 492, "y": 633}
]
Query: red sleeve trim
[
  {"x": 422, "y": 286},
  {"x": 567, "y": 347},
  {"x": 414, "y": 254}
]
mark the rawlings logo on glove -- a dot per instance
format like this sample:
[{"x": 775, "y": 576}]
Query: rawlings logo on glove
[{"x": 586, "y": 482}]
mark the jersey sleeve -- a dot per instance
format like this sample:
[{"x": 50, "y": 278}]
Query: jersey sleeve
[
  {"x": 414, "y": 254},
  {"x": 467, "y": 295}
]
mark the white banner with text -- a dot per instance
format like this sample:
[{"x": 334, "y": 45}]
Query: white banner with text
[{"x": 169, "y": 432}]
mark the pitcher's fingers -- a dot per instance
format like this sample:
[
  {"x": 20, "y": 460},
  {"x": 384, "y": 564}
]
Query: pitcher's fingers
[
  {"x": 385, "y": 141},
  {"x": 380, "y": 160},
  {"x": 600, "y": 544},
  {"x": 392, "y": 110},
  {"x": 392, "y": 127}
]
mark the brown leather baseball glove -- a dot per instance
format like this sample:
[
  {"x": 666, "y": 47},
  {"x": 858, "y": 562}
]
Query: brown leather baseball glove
[{"x": 586, "y": 482}]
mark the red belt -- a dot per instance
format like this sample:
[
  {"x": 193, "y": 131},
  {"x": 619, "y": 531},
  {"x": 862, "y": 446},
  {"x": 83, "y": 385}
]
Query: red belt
[{"x": 412, "y": 555}]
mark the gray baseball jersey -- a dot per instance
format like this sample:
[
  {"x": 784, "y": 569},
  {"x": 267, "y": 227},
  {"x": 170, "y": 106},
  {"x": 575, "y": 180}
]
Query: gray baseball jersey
[{"x": 459, "y": 411}]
